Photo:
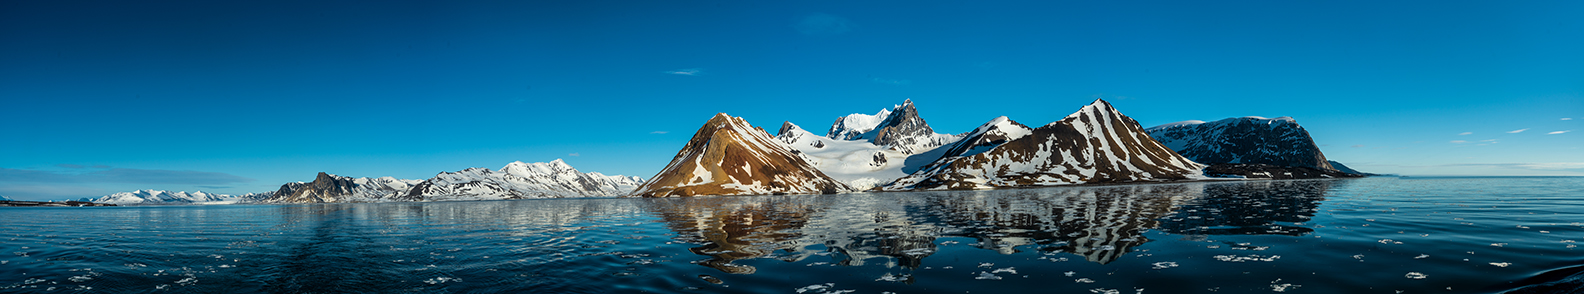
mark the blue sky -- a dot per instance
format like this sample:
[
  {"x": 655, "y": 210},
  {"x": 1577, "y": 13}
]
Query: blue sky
[{"x": 241, "y": 96}]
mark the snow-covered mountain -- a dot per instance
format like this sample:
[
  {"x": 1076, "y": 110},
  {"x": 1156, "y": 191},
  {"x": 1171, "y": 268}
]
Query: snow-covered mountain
[
  {"x": 1247, "y": 140},
  {"x": 987, "y": 136},
  {"x": 518, "y": 180},
  {"x": 155, "y": 197},
  {"x": 328, "y": 188},
  {"x": 857, "y": 163},
  {"x": 866, "y": 151},
  {"x": 728, "y": 156},
  {"x": 1097, "y": 144},
  {"x": 899, "y": 128}
]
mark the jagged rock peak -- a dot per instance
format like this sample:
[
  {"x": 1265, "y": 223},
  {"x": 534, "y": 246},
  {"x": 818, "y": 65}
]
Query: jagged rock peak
[
  {"x": 1097, "y": 144},
  {"x": 728, "y": 156},
  {"x": 787, "y": 129},
  {"x": 1280, "y": 142},
  {"x": 903, "y": 126},
  {"x": 899, "y": 128}
]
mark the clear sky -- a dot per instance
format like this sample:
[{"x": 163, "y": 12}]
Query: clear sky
[{"x": 241, "y": 96}]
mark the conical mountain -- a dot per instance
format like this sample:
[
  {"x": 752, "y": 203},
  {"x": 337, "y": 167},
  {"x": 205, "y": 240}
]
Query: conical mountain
[
  {"x": 1097, "y": 144},
  {"x": 727, "y": 156}
]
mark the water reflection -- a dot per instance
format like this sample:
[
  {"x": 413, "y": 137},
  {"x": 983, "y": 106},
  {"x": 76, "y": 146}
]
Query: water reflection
[
  {"x": 1100, "y": 224},
  {"x": 1253, "y": 208},
  {"x": 734, "y": 228}
]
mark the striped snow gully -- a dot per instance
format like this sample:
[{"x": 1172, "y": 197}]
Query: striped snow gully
[{"x": 1096, "y": 144}]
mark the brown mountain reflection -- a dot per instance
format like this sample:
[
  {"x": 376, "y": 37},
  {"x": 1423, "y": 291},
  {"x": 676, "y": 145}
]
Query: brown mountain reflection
[
  {"x": 902, "y": 229},
  {"x": 736, "y": 228}
]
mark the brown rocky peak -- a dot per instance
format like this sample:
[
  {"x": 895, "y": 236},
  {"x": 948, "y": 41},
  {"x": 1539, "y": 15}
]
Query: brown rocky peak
[{"x": 728, "y": 156}]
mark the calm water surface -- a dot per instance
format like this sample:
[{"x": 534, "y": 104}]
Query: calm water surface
[{"x": 1374, "y": 235}]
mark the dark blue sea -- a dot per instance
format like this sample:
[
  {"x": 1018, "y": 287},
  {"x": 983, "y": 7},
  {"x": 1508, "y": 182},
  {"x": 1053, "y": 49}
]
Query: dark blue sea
[{"x": 1371, "y": 235}]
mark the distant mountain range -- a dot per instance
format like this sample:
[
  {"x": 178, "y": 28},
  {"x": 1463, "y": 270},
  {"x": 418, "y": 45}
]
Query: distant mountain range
[
  {"x": 891, "y": 150},
  {"x": 517, "y": 180}
]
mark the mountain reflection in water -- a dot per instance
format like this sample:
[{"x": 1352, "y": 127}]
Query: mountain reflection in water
[
  {"x": 1444, "y": 235},
  {"x": 1099, "y": 223}
]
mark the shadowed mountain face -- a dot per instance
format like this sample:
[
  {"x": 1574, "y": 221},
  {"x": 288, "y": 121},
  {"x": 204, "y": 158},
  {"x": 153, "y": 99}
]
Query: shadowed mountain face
[
  {"x": 1243, "y": 140},
  {"x": 904, "y": 127},
  {"x": 727, "y": 156},
  {"x": 1097, "y": 144}
]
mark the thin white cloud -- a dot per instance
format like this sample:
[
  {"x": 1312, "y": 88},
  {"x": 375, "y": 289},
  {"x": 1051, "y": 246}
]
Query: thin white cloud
[
  {"x": 1458, "y": 141},
  {"x": 898, "y": 82},
  {"x": 1517, "y": 131},
  {"x": 1558, "y": 132},
  {"x": 1358, "y": 146},
  {"x": 1545, "y": 166},
  {"x": 1465, "y": 133},
  {"x": 659, "y": 132},
  {"x": 573, "y": 154},
  {"x": 686, "y": 71},
  {"x": 820, "y": 24},
  {"x": 1567, "y": 118}
]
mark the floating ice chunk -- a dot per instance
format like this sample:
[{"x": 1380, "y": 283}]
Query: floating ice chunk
[
  {"x": 1084, "y": 280},
  {"x": 1501, "y": 264},
  {"x": 1235, "y": 258},
  {"x": 986, "y": 264},
  {"x": 1008, "y": 270},
  {"x": 1498, "y": 244},
  {"x": 987, "y": 276},
  {"x": 818, "y": 288},
  {"x": 896, "y": 278},
  {"x": 1104, "y": 291},
  {"x": 1417, "y": 275},
  {"x": 918, "y": 252},
  {"x": 1163, "y": 265},
  {"x": 1070, "y": 273},
  {"x": 1422, "y": 256},
  {"x": 1283, "y": 287},
  {"x": 441, "y": 280}
]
